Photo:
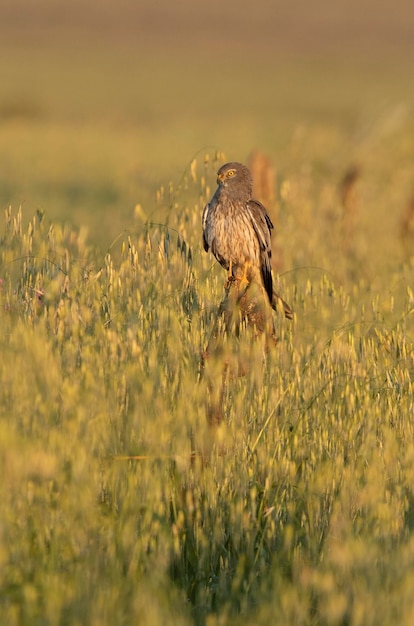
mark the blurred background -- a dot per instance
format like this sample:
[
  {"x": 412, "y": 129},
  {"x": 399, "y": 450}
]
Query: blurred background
[{"x": 101, "y": 103}]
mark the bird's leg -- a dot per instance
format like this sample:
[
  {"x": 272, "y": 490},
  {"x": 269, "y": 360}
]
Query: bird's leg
[
  {"x": 230, "y": 276},
  {"x": 243, "y": 279}
]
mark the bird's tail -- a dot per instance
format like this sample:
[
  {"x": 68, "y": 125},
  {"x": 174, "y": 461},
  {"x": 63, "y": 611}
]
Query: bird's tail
[{"x": 277, "y": 302}]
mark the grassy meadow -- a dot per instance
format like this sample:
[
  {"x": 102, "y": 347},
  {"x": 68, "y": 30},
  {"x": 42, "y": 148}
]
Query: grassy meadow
[{"x": 120, "y": 503}]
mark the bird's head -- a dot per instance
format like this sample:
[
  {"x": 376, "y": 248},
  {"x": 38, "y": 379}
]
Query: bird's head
[{"x": 235, "y": 177}]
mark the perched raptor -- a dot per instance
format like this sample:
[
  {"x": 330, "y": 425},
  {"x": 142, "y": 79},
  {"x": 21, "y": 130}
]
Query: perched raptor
[{"x": 236, "y": 228}]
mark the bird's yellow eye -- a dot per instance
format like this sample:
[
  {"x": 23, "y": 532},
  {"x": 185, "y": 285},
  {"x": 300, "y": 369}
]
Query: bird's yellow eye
[{"x": 231, "y": 173}]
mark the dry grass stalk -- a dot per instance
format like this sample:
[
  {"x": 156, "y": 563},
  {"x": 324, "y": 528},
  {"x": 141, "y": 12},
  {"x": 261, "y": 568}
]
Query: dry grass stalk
[
  {"x": 264, "y": 179},
  {"x": 407, "y": 227},
  {"x": 348, "y": 193}
]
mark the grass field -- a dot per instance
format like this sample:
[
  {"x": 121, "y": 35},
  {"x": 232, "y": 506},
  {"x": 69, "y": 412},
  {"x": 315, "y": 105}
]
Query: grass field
[{"x": 120, "y": 504}]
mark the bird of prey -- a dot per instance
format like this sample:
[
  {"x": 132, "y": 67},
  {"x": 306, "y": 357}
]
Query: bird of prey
[{"x": 237, "y": 229}]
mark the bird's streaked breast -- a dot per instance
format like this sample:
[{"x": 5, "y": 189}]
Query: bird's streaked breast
[{"x": 229, "y": 232}]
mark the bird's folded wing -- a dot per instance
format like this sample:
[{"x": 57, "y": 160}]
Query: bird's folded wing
[
  {"x": 204, "y": 226},
  {"x": 262, "y": 225}
]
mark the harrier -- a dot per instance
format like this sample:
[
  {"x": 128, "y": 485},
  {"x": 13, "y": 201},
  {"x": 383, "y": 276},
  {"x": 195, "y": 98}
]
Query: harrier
[{"x": 237, "y": 228}]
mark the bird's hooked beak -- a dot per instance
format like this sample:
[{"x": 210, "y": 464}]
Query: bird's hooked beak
[{"x": 220, "y": 178}]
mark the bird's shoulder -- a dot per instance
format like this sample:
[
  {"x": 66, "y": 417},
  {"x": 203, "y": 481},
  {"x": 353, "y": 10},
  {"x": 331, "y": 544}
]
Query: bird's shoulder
[
  {"x": 259, "y": 215},
  {"x": 208, "y": 220},
  {"x": 216, "y": 205},
  {"x": 205, "y": 213}
]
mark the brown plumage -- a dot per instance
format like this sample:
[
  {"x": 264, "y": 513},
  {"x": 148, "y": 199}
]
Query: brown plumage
[{"x": 236, "y": 228}]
